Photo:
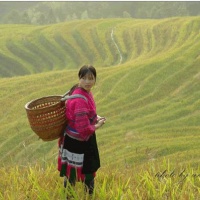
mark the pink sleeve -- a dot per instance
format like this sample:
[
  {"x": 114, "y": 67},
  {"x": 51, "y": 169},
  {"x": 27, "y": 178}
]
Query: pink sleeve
[{"x": 81, "y": 119}]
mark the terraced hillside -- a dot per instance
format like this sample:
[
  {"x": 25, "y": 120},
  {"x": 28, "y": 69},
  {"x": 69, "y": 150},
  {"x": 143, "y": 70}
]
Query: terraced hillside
[
  {"x": 150, "y": 98},
  {"x": 32, "y": 49}
]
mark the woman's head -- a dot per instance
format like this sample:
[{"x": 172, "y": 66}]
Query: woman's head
[
  {"x": 87, "y": 69},
  {"x": 87, "y": 77}
]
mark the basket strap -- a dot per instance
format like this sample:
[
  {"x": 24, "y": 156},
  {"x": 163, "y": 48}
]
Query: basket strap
[
  {"x": 67, "y": 93},
  {"x": 74, "y": 96}
]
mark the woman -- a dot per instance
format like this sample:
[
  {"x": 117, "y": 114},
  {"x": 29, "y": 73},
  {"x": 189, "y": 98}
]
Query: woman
[{"x": 78, "y": 156}]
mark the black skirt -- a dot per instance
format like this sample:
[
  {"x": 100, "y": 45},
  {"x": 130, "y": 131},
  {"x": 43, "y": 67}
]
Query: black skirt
[{"x": 89, "y": 149}]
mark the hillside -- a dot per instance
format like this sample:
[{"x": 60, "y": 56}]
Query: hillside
[
  {"x": 27, "y": 49},
  {"x": 150, "y": 98}
]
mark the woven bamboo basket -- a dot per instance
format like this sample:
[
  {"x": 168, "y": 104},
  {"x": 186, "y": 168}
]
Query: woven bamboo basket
[{"x": 46, "y": 116}]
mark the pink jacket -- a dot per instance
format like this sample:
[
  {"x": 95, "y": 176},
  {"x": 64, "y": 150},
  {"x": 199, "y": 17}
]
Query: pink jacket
[{"x": 81, "y": 115}]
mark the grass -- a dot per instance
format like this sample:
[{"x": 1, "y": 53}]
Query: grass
[
  {"x": 152, "y": 181},
  {"x": 67, "y": 44},
  {"x": 151, "y": 102}
]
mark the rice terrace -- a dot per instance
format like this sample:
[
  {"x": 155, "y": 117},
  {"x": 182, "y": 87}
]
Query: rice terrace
[{"x": 148, "y": 88}]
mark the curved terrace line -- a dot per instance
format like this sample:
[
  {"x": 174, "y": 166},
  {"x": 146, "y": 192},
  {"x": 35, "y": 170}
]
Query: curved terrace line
[{"x": 120, "y": 61}]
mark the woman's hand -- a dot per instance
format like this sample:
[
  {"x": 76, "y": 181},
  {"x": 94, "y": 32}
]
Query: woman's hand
[
  {"x": 100, "y": 118},
  {"x": 100, "y": 122}
]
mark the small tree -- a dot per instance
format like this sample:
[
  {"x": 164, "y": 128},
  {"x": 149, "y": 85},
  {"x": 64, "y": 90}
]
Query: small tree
[
  {"x": 126, "y": 14},
  {"x": 51, "y": 18},
  {"x": 84, "y": 15},
  {"x": 68, "y": 18},
  {"x": 13, "y": 17},
  {"x": 74, "y": 16},
  {"x": 25, "y": 19},
  {"x": 42, "y": 19}
]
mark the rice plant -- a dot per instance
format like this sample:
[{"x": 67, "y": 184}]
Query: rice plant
[{"x": 158, "y": 180}]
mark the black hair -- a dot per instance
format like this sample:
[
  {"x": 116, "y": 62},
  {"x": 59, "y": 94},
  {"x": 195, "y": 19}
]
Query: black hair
[
  {"x": 87, "y": 69},
  {"x": 82, "y": 72}
]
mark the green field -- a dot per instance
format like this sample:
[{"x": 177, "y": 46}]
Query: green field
[{"x": 151, "y": 98}]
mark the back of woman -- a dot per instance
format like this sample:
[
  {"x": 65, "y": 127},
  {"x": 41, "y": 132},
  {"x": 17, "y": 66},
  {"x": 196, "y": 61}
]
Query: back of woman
[{"x": 81, "y": 115}]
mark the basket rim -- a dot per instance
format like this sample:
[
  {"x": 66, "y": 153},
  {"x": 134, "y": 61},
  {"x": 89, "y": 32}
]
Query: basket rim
[{"x": 27, "y": 104}]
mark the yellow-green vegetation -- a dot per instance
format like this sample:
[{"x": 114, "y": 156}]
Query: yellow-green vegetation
[
  {"x": 150, "y": 99},
  {"x": 27, "y": 49},
  {"x": 147, "y": 182}
]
